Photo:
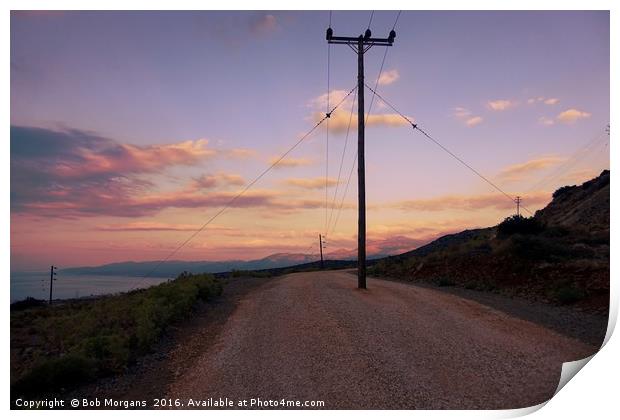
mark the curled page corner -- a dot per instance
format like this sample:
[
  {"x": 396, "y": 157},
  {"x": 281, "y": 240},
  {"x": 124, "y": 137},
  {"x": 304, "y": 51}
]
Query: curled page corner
[
  {"x": 521, "y": 412},
  {"x": 569, "y": 370}
]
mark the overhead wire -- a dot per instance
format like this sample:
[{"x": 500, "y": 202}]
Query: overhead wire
[
  {"x": 344, "y": 149},
  {"x": 327, "y": 128},
  {"x": 445, "y": 149},
  {"x": 372, "y": 14},
  {"x": 242, "y": 192},
  {"x": 577, "y": 157}
]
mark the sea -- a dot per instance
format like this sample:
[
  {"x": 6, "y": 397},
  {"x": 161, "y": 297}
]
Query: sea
[{"x": 72, "y": 286}]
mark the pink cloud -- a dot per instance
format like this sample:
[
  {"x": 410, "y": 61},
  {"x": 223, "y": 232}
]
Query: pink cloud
[{"x": 471, "y": 202}]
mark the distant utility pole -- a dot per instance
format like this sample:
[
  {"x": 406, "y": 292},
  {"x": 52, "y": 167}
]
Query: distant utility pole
[
  {"x": 360, "y": 45},
  {"x": 518, "y": 201},
  {"x": 52, "y": 279},
  {"x": 321, "y": 248}
]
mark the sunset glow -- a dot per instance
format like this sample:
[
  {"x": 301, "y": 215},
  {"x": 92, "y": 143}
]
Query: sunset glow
[{"x": 129, "y": 130}]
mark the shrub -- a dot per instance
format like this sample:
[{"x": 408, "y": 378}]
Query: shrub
[
  {"x": 94, "y": 338},
  {"x": 56, "y": 373},
  {"x": 444, "y": 282},
  {"x": 562, "y": 190},
  {"x": 519, "y": 225},
  {"x": 110, "y": 351},
  {"x": 27, "y": 303},
  {"x": 568, "y": 294}
]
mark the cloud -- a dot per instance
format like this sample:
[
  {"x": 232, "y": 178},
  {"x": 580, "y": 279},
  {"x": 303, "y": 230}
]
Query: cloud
[
  {"x": 81, "y": 155},
  {"x": 546, "y": 101},
  {"x": 239, "y": 153},
  {"x": 473, "y": 121},
  {"x": 571, "y": 115},
  {"x": 388, "y": 77},
  {"x": 466, "y": 116},
  {"x": 501, "y": 104},
  {"x": 517, "y": 171},
  {"x": 146, "y": 227},
  {"x": 461, "y": 112},
  {"x": 340, "y": 120},
  {"x": 126, "y": 158},
  {"x": 470, "y": 202},
  {"x": 116, "y": 203},
  {"x": 546, "y": 121},
  {"x": 67, "y": 173},
  {"x": 208, "y": 181},
  {"x": 264, "y": 24},
  {"x": 334, "y": 97},
  {"x": 310, "y": 183},
  {"x": 290, "y": 162}
]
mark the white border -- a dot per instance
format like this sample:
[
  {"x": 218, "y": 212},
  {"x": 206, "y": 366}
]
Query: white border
[{"x": 592, "y": 394}]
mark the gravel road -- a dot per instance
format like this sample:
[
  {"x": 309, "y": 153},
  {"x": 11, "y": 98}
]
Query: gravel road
[{"x": 314, "y": 336}]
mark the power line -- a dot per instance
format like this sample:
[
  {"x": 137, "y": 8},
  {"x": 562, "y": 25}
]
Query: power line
[
  {"x": 243, "y": 191},
  {"x": 344, "y": 195},
  {"x": 344, "y": 149},
  {"x": 574, "y": 159},
  {"x": 372, "y": 14},
  {"x": 372, "y": 100},
  {"x": 396, "y": 20},
  {"x": 327, "y": 132},
  {"x": 428, "y": 136}
]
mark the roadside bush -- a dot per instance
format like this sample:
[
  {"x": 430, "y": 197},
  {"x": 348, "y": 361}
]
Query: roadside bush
[
  {"x": 110, "y": 351},
  {"x": 85, "y": 339},
  {"x": 519, "y": 225},
  {"x": 536, "y": 248},
  {"x": 61, "y": 372},
  {"x": 444, "y": 282},
  {"x": 568, "y": 294},
  {"x": 27, "y": 303}
]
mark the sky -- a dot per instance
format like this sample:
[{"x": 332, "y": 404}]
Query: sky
[{"x": 130, "y": 130}]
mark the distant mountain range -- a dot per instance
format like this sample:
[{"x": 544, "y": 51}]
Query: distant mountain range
[{"x": 173, "y": 268}]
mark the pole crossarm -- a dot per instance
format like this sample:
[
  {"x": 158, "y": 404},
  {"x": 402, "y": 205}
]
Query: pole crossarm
[
  {"x": 366, "y": 39},
  {"x": 353, "y": 41}
]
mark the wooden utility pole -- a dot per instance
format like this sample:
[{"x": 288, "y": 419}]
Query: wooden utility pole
[
  {"x": 321, "y": 248},
  {"x": 52, "y": 278},
  {"x": 360, "y": 44}
]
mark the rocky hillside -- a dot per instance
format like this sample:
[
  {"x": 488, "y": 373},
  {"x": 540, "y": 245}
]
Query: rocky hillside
[
  {"x": 559, "y": 256},
  {"x": 585, "y": 206}
]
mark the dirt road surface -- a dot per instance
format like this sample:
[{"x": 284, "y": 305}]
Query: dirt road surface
[{"x": 315, "y": 336}]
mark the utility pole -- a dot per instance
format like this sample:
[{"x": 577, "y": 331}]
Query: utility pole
[
  {"x": 52, "y": 279},
  {"x": 360, "y": 45},
  {"x": 518, "y": 201},
  {"x": 321, "y": 248}
]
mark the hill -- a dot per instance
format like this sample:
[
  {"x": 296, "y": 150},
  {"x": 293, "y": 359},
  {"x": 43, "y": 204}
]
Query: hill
[
  {"x": 560, "y": 255},
  {"x": 585, "y": 206},
  {"x": 173, "y": 268}
]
